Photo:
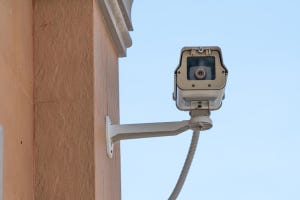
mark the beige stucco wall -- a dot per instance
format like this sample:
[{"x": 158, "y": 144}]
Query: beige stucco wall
[
  {"x": 58, "y": 81},
  {"x": 16, "y": 97},
  {"x": 63, "y": 71},
  {"x": 76, "y": 85},
  {"x": 106, "y": 101}
]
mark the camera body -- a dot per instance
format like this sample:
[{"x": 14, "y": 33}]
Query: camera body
[{"x": 200, "y": 79}]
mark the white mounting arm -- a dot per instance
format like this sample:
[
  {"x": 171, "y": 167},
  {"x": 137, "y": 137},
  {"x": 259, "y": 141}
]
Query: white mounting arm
[{"x": 115, "y": 133}]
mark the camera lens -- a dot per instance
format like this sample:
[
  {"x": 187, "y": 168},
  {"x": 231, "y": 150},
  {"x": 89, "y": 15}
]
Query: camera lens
[
  {"x": 201, "y": 68},
  {"x": 200, "y": 73}
]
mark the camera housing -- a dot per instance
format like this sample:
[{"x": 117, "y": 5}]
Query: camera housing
[{"x": 200, "y": 79}]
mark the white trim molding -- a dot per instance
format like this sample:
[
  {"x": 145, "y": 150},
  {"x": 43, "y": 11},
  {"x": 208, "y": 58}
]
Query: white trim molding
[{"x": 117, "y": 16}]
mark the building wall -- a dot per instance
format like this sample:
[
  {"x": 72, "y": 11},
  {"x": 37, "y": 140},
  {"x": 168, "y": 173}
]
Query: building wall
[
  {"x": 16, "y": 97},
  {"x": 58, "y": 81},
  {"x": 106, "y": 102},
  {"x": 76, "y": 85},
  {"x": 63, "y": 94}
]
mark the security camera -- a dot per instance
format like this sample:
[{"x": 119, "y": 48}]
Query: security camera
[
  {"x": 199, "y": 87},
  {"x": 200, "y": 79}
]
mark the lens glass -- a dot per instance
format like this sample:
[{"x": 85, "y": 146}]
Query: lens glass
[{"x": 201, "y": 68}]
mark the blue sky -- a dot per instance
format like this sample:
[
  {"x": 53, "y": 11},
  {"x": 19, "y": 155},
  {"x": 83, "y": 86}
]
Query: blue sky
[{"x": 252, "y": 152}]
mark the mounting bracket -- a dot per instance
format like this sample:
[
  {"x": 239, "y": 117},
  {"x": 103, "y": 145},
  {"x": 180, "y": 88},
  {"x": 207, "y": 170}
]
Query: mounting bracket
[{"x": 115, "y": 132}]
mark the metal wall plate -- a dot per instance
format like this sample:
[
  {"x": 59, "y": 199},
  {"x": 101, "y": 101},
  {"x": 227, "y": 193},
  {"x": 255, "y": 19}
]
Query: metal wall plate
[{"x": 109, "y": 143}]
